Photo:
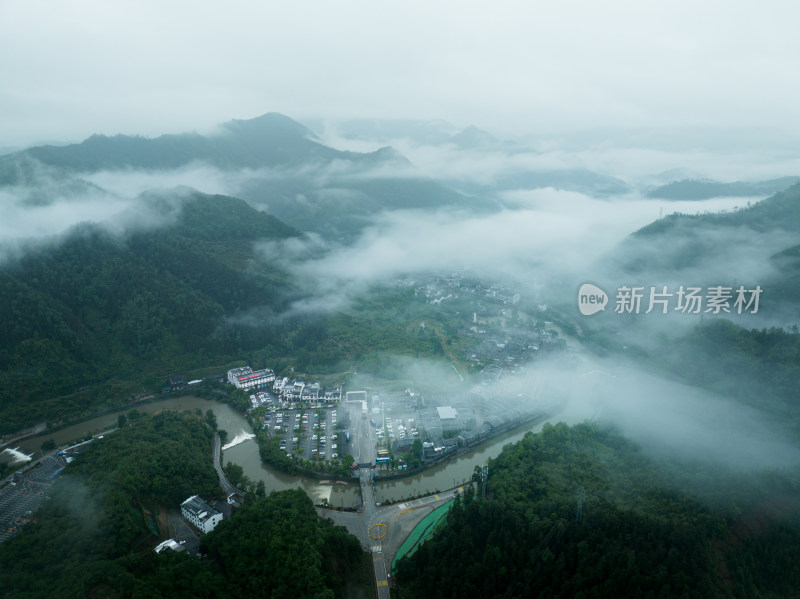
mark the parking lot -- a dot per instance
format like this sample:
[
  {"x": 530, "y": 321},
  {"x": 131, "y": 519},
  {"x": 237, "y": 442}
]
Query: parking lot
[
  {"x": 180, "y": 530},
  {"x": 307, "y": 432},
  {"x": 18, "y": 500},
  {"x": 318, "y": 431}
]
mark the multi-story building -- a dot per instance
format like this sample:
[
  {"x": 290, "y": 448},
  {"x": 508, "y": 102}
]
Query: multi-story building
[
  {"x": 247, "y": 378},
  {"x": 199, "y": 513}
]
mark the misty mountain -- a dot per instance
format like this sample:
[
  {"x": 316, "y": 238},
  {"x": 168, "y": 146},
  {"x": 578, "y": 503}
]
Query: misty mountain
[
  {"x": 33, "y": 183},
  {"x": 743, "y": 357},
  {"x": 340, "y": 205},
  {"x": 704, "y": 189},
  {"x": 580, "y": 180},
  {"x": 744, "y": 244},
  {"x": 432, "y": 132},
  {"x": 271, "y": 161},
  {"x": 98, "y": 313},
  {"x": 472, "y": 137},
  {"x": 780, "y": 211},
  {"x": 268, "y": 140},
  {"x": 473, "y": 145},
  {"x": 757, "y": 367}
]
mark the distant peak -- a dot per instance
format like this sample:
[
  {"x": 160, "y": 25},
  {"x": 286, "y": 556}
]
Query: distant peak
[
  {"x": 472, "y": 136},
  {"x": 271, "y": 122}
]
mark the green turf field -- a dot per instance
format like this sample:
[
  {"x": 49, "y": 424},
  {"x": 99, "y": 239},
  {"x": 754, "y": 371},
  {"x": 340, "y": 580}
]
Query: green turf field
[{"x": 421, "y": 531}]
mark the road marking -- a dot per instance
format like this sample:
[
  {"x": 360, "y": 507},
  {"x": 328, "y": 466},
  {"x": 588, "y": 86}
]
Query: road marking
[
  {"x": 380, "y": 532},
  {"x": 383, "y": 583}
]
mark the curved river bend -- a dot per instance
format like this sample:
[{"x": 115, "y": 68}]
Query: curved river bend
[{"x": 245, "y": 453}]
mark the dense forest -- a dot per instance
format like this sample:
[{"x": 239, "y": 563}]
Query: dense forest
[
  {"x": 92, "y": 534},
  {"x": 635, "y": 533},
  {"x": 278, "y": 547},
  {"x": 91, "y": 538},
  {"x": 102, "y": 317},
  {"x": 758, "y": 367}
]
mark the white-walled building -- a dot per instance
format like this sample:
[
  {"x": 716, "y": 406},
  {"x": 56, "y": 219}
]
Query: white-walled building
[
  {"x": 247, "y": 378},
  {"x": 449, "y": 418},
  {"x": 199, "y": 513}
]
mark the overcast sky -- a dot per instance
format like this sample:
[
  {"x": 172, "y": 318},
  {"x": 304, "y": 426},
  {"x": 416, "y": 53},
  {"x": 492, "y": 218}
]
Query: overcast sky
[{"x": 70, "y": 69}]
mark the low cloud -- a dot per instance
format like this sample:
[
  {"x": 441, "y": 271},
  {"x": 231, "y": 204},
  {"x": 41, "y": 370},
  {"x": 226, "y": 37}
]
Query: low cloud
[
  {"x": 25, "y": 226},
  {"x": 643, "y": 160},
  {"x": 544, "y": 236},
  {"x": 668, "y": 419}
]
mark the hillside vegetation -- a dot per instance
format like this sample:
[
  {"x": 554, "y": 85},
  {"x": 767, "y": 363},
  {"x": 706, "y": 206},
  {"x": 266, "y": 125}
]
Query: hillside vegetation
[
  {"x": 638, "y": 535},
  {"x": 91, "y": 539},
  {"x": 99, "y": 315}
]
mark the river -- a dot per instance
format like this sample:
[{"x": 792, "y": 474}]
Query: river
[{"x": 243, "y": 450}]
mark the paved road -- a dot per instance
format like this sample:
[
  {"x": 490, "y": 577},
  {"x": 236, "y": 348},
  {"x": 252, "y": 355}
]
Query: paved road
[
  {"x": 223, "y": 481},
  {"x": 381, "y": 530}
]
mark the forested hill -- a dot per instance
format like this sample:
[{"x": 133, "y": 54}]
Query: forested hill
[
  {"x": 703, "y": 189},
  {"x": 681, "y": 241},
  {"x": 98, "y": 316},
  {"x": 752, "y": 245},
  {"x": 639, "y": 535},
  {"x": 780, "y": 211},
  {"x": 91, "y": 539}
]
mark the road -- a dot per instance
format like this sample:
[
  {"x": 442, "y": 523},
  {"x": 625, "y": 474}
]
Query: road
[
  {"x": 223, "y": 481},
  {"x": 382, "y": 529}
]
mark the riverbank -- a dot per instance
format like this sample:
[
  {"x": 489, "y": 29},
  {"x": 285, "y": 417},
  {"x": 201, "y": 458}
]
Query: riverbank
[{"x": 462, "y": 451}]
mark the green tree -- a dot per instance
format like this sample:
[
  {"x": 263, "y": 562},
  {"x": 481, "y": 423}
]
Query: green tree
[
  {"x": 416, "y": 448},
  {"x": 234, "y": 473},
  {"x": 211, "y": 419}
]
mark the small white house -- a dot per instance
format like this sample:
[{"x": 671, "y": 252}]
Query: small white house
[{"x": 169, "y": 545}]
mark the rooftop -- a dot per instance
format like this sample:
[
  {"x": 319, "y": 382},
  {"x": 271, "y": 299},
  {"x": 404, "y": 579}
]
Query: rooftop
[
  {"x": 198, "y": 507},
  {"x": 447, "y": 413}
]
